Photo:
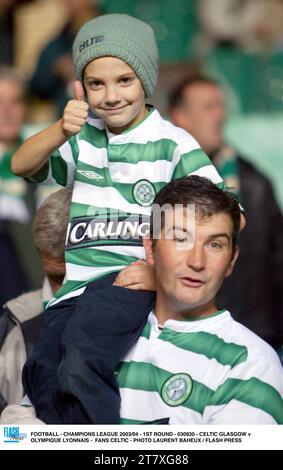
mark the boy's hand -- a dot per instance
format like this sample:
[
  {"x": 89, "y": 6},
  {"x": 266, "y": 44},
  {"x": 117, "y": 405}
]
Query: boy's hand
[
  {"x": 75, "y": 112},
  {"x": 137, "y": 276}
]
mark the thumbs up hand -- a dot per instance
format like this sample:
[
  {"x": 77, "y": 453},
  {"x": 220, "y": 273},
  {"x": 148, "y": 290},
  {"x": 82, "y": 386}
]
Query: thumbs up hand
[{"x": 76, "y": 112}]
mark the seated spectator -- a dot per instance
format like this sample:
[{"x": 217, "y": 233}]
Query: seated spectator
[
  {"x": 254, "y": 292},
  {"x": 21, "y": 320},
  {"x": 13, "y": 190}
]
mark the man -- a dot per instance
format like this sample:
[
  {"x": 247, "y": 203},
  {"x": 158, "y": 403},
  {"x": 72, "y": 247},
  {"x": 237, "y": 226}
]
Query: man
[
  {"x": 254, "y": 292},
  {"x": 193, "y": 363},
  {"x": 21, "y": 320},
  {"x": 13, "y": 190}
]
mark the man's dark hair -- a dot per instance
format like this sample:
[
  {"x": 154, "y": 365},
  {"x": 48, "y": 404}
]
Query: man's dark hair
[
  {"x": 176, "y": 96},
  {"x": 205, "y": 195}
]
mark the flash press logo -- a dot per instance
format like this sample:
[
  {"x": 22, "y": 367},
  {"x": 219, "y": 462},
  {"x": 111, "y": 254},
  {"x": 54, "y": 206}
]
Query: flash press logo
[{"x": 12, "y": 434}]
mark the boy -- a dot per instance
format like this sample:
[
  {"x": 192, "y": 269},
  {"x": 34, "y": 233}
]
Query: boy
[{"x": 116, "y": 164}]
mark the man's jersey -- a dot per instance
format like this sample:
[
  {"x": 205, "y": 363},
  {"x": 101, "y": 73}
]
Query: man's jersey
[
  {"x": 207, "y": 371},
  {"x": 115, "y": 179}
]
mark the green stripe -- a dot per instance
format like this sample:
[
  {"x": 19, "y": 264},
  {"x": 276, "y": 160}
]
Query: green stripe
[
  {"x": 162, "y": 149},
  {"x": 59, "y": 169},
  {"x": 253, "y": 392},
  {"x": 71, "y": 286},
  {"x": 132, "y": 421},
  {"x": 97, "y": 258},
  {"x": 147, "y": 377},
  {"x": 190, "y": 162},
  {"x": 96, "y": 137},
  {"x": 208, "y": 344},
  {"x": 146, "y": 331},
  {"x": 74, "y": 147}
]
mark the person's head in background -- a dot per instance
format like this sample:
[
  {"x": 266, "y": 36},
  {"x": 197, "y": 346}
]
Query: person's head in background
[
  {"x": 12, "y": 106},
  {"x": 49, "y": 232},
  {"x": 80, "y": 11},
  {"x": 197, "y": 105},
  {"x": 191, "y": 261},
  {"x": 116, "y": 60}
]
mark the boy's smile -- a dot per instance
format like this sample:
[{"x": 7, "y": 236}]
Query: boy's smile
[{"x": 115, "y": 93}]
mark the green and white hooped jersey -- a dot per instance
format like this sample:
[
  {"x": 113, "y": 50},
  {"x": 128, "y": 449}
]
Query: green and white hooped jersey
[
  {"x": 115, "y": 179},
  {"x": 208, "y": 371}
]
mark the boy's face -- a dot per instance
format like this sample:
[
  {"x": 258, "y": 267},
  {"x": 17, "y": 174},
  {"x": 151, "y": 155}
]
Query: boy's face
[
  {"x": 188, "y": 277},
  {"x": 115, "y": 93}
]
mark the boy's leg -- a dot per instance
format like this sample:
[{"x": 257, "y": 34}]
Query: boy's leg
[
  {"x": 40, "y": 371},
  {"x": 107, "y": 322}
]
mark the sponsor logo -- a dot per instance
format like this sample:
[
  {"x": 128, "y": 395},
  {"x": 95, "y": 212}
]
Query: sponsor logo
[
  {"x": 91, "y": 175},
  {"x": 90, "y": 231},
  {"x": 144, "y": 193},
  {"x": 90, "y": 41},
  {"x": 12, "y": 434},
  {"x": 177, "y": 389}
]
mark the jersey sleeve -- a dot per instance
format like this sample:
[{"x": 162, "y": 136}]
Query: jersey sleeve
[
  {"x": 61, "y": 166},
  {"x": 252, "y": 393},
  {"x": 190, "y": 159}
]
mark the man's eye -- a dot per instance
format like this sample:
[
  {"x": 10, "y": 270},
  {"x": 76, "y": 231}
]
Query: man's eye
[
  {"x": 180, "y": 239},
  {"x": 216, "y": 245}
]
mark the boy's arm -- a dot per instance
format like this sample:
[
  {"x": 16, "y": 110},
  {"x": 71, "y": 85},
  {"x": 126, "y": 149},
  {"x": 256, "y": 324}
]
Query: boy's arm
[{"x": 33, "y": 154}]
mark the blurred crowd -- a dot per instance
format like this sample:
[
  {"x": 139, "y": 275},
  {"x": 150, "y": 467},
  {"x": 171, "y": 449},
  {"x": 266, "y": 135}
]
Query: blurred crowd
[{"x": 35, "y": 91}]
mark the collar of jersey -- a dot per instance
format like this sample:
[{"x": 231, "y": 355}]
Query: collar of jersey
[
  {"x": 189, "y": 325},
  {"x": 136, "y": 128}
]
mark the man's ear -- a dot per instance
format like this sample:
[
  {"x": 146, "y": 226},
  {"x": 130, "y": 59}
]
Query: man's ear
[
  {"x": 232, "y": 262},
  {"x": 147, "y": 243}
]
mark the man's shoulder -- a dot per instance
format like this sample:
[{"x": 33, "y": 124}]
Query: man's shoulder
[{"x": 257, "y": 349}]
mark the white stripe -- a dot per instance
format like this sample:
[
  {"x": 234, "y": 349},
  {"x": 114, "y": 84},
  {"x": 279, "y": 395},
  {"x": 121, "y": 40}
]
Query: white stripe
[
  {"x": 66, "y": 152},
  {"x": 91, "y": 155},
  {"x": 198, "y": 366},
  {"x": 160, "y": 170},
  {"x": 208, "y": 171},
  {"x": 88, "y": 272},
  {"x": 236, "y": 412},
  {"x": 105, "y": 197},
  {"x": 149, "y": 406},
  {"x": 127, "y": 250}
]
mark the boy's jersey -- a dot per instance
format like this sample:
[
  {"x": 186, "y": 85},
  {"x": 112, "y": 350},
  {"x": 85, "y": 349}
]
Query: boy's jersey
[
  {"x": 115, "y": 179},
  {"x": 208, "y": 371}
]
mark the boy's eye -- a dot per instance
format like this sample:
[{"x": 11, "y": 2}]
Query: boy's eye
[
  {"x": 95, "y": 84},
  {"x": 126, "y": 80}
]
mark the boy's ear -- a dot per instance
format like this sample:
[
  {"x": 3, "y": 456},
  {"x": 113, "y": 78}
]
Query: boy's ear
[
  {"x": 232, "y": 262},
  {"x": 147, "y": 243}
]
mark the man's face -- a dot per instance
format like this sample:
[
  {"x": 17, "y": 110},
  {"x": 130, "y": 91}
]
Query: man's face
[
  {"x": 203, "y": 115},
  {"x": 114, "y": 93},
  {"x": 189, "y": 277},
  {"x": 12, "y": 111}
]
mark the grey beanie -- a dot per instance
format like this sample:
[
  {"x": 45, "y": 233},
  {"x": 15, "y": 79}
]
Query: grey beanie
[{"x": 121, "y": 36}]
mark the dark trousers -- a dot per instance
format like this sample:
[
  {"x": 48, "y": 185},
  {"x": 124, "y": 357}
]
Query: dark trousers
[{"x": 70, "y": 376}]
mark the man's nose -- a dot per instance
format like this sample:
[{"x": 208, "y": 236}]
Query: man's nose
[{"x": 195, "y": 258}]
